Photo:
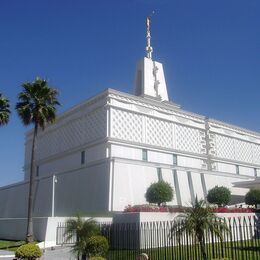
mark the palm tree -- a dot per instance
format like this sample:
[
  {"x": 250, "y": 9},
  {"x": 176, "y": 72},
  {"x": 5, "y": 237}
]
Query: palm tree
[
  {"x": 4, "y": 110},
  {"x": 37, "y": 105},
  {"x": 83, "y": 229},
  {"x": 196, "y": 221}
]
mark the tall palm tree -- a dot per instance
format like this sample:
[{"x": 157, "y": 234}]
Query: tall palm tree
[
  {"x": 83, "y": 229},
  {"x": 4, "y": 110},
  {"x": 196, "y": 221},
  {"x": 37, "y": 105}
]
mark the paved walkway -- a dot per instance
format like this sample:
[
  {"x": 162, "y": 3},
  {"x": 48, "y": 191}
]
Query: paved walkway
[
  {"x": 59, "y": 253},
  {"x": 6, "y": 255}
]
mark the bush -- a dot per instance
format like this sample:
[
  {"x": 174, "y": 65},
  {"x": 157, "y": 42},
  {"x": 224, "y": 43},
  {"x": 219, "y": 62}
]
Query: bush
[
  {"x": 253, "y": 197},
  {"x": 28, "y": 251},
  {"x": 97, "y": 246},
  {"x": 219, "y": 195},
  {"x": 159, "y": 192}
]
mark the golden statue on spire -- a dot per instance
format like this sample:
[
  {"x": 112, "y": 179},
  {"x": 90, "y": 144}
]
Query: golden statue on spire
[{"x": 149, "y": 48}]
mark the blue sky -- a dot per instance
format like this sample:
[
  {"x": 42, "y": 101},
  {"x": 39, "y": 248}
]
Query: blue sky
[{"x": 210, "y": 51}]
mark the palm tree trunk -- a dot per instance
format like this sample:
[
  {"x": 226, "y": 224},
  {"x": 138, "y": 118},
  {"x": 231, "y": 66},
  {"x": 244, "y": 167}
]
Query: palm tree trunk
[
  {"x": 29, "y": 235},
  {"x": 203, "y": 249}
]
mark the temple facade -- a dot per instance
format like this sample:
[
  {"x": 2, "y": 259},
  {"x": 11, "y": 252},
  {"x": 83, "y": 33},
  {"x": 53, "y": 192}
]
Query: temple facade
[{"x": 102, "y": 154}]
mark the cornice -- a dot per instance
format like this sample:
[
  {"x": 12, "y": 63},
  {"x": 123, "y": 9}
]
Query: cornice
[{"x": 234, "y": 128}]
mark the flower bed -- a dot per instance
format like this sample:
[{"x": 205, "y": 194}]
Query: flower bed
[
  {"x": 234, "y": 210},
  {"x": 171, "y": 209},
  {"x": 153, "y": 208}
]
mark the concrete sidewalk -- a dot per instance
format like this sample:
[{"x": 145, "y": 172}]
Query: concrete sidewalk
[{"x": 58, "y": 253}]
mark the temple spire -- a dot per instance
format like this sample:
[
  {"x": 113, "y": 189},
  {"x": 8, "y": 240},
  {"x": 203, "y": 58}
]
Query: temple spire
[
  {"x": 149, "y": 48},
  {"x": 150, "y": 81}
]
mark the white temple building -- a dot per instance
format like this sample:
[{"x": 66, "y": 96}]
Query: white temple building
[{"x": 102, "y": 154}]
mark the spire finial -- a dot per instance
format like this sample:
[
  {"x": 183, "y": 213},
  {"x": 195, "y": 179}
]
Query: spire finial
[{"x": 149, "y": 48}]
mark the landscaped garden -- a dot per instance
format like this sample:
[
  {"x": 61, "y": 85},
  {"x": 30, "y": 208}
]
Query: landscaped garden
[{"x": 197, "y": 232}]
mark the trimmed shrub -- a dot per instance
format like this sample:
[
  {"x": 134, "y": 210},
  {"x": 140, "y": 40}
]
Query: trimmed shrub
[
  {"x": 159, "y": 192},
  {"x": 97, "y": 246},
  {"x": 253, "y": 197},
  {"x": 219, "y": 195},
  {"x": 29, "y": 251}
]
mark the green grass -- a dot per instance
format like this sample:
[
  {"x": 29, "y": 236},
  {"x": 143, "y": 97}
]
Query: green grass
[
  {"x": 10, "y": 245},
  {"x": 246, "y": 250}
]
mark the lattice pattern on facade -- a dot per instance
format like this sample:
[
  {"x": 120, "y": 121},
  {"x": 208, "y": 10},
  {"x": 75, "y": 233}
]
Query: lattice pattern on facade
[
  {"x": 127, "y": 126},
  {"x": 243, "y": 151},
  {"x": 159, "y": 132},
  {"x": 73, "y": 134},
  {"x": 256, "y": 153},
  {"x": 234, "y": 149},
  {"x": 95, "y": 126},
  {"x": 225, "y": 147},
  {"x": 188, "y": 139},
  {"x": 155, "y": 107}
]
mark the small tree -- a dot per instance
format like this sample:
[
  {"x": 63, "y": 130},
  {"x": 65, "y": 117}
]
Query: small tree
[
  {"x": 196, "y": 222},
  {"x": 219, "y": 195},
  {"x": 83, "y": 229},
  {"x": 159, "y": 192},
  {"x": 253, "y": 197}
]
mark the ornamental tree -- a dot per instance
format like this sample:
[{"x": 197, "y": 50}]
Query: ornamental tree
[
  {"x": 253, "y": 197},
  {"x": 219, "y": 195},
  {"x": 159, "y": 192},
  {"x": 197, "y": 221}
]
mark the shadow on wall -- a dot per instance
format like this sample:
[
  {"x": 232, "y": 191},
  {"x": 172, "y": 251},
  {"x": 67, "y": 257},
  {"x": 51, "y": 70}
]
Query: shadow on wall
[{"x": 236, "y": 199}]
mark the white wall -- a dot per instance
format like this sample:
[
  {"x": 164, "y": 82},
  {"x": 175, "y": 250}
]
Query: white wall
[
  {"x": 185, "y": 194},
  {"x": 82, "y": 191},
  {"x": 226, "y": 181},
  {"x": 126, "y": 152},
  {"x": 13, "y": 200},
  {"x": 189, "y": 162},
  {"x": 130, "y": 184},
  {"x": 72, "y": 161}
]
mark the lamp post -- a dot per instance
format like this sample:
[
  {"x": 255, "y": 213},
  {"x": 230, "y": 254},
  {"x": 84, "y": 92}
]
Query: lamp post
[{"x": 54, "y": 181}]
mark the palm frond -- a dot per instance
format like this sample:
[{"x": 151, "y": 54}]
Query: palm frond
[
  {"x": 83, "y": 230},
  {"x": 4, "y": 110},
  {"x": 198, "y": 220},
  {"x": 37, "y": 103}
]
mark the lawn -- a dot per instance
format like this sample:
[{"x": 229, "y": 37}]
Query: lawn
[
  {"x": 246, "y": 250},
  {"x": 10, "y": 245}
]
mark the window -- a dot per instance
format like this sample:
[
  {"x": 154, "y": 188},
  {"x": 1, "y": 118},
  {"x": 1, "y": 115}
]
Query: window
[
  {"x": 237, "y": 169},
  {"x": 174, "y": 159},
  {"x": 37, "y": 170},
  {"x": 255, "y": 171},
  {"x": 159, "y": 174},
  {"x": 144, "y": 155},
  {"x": 83, "y": 157}
]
